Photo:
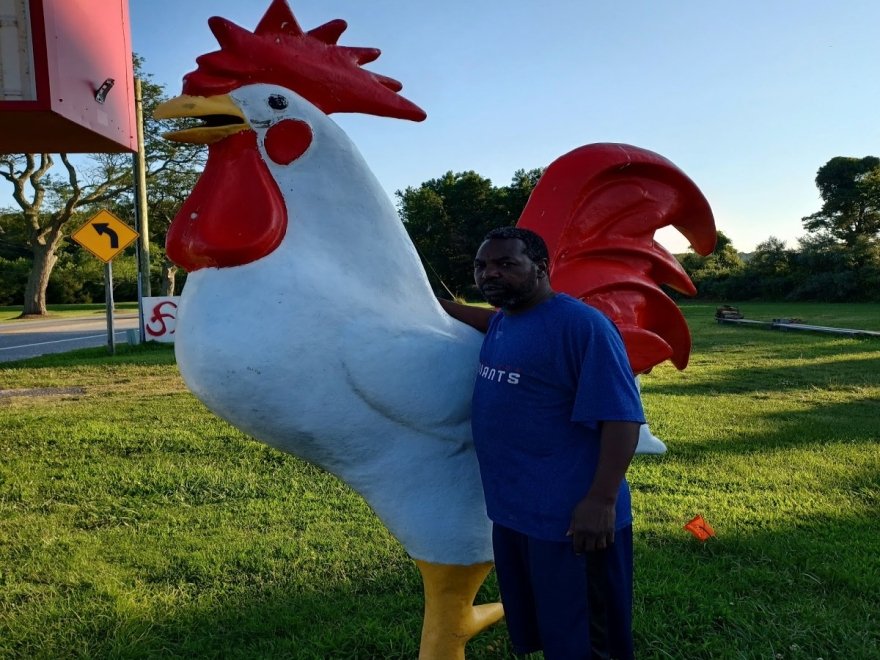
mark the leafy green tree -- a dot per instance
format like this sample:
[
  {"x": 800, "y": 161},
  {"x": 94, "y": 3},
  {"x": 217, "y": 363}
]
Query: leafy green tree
[
  {"x": 850, "y": 190},
  {"x": 51, "y": 203},
  {"x": 722, "y": 261},
  {"x": 839, "y": 260},
  {"x": 447, "y": 218},
  {"x": 771, "y": 258},
  {"x": 826, "y": 270},
  {"x": 14, "y": 260},
  {"x": 165, "y": 195},
  {"x": 517, "y": 193},
  {"x": 718, "y": 275},
  {"x": 823, "y": 271},
  {"x": 770, "y": 269},
  {"x": 172, "y": 171}
]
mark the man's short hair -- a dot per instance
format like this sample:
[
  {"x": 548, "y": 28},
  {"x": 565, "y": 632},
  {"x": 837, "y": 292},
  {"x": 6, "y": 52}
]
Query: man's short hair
[{"x": 536, "y": 248}]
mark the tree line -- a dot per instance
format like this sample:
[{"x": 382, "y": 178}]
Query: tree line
[{"x": 838, "y": 258}]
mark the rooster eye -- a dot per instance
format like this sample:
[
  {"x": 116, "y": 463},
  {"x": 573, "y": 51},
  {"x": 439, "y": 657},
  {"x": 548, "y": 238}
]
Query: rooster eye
[{"x": 277, "y": 102}]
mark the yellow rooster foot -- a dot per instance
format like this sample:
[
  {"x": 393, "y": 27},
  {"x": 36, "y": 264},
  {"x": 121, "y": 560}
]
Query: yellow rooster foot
[{"x": 451, "y": 618}]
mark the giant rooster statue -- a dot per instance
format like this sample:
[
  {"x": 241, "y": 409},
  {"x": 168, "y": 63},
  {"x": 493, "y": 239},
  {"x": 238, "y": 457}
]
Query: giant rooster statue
[{"x": 339, "y": 352}]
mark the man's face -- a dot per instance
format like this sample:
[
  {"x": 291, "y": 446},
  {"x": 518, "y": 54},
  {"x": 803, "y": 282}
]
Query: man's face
[{"x": 506, "y": 277}]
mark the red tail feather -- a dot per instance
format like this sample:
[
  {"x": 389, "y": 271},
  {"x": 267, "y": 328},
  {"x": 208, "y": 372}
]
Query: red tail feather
[{"x": 597, "y": 208}]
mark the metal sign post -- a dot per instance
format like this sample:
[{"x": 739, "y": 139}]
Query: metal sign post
[{"x": 108, "y": 296}]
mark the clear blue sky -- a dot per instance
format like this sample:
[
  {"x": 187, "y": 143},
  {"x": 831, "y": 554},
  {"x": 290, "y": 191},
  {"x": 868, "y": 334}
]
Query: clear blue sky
[{"x": 749, "y": 98}]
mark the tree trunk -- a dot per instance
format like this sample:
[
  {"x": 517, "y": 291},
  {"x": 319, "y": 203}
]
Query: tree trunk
[
  {"x": 38, "y": 279},
  {"x": 169, "y": 271}
]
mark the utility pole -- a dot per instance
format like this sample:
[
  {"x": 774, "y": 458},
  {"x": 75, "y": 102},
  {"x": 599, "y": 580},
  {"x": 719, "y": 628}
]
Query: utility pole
[{"x": 141, "y": 217}]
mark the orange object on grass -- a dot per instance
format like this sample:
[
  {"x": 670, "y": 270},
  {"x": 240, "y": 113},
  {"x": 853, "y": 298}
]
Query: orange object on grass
[{"x": 700, "y": 528}]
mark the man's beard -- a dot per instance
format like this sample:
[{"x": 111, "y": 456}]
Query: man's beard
[
  {"x": 501, "y": 298},
  {"x": 506, "y": 297}
]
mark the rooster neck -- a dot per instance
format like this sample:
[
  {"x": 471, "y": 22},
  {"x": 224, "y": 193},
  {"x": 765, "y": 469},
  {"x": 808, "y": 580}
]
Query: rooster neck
[{"x": 338, "y": 212}]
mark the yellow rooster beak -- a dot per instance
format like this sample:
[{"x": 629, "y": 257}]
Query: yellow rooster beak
[{"x": 221, "y": 118}]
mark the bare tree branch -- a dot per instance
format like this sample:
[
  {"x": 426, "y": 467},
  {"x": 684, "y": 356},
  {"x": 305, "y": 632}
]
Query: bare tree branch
[
  {"x": 35, "y": 176},
  {"x": 20, "y": 179},
  {"x": 76, "y": 193}
]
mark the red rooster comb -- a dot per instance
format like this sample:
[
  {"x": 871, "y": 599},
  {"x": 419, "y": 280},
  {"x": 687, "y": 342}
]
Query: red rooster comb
[
  {"x": 308, "y": 63},
  {"x": 597, "y": 208}
]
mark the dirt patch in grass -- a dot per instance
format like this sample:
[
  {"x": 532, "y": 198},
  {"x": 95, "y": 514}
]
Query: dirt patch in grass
[{"x": 41, "y": 391}]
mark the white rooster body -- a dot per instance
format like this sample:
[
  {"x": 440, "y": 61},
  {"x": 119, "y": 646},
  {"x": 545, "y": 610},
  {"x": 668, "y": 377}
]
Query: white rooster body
[
  {"x": 307, "y": 319},
  {"x": 332, "y": 347}
]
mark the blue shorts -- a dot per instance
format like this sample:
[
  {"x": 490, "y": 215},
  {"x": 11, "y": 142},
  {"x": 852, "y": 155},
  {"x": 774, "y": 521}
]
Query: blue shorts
[{"x": 570, "y": 606}]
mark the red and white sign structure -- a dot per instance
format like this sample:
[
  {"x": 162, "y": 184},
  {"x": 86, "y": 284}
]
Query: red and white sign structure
[
  {"x": 160, "y": 318},
  {"x": 66, "y": 77}
]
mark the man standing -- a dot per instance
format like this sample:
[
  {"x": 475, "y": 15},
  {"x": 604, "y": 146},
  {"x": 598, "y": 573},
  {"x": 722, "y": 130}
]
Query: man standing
[{"x": 556, "y": 418}]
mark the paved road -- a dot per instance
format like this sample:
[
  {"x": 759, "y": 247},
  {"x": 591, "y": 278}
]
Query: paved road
[{"x": 24, "y": 339}]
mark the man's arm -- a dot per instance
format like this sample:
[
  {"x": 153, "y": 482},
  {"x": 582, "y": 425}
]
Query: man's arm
[
  {"x": 592, "y": 522},
  {"x": 476, "y": 317}
]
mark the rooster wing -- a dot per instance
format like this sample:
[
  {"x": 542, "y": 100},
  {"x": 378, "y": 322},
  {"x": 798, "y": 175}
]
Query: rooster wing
[
  {"x": 597, "y": 208},
  {"x": 393, "y": 375}
]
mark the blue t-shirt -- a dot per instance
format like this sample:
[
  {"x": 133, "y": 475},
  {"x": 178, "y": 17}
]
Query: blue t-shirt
[{"x": 547, "y": 377}]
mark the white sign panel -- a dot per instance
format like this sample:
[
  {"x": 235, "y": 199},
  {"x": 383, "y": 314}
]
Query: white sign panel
[
  {"x": 16, "y": 52},
  {"x": 160, "y": 317}
]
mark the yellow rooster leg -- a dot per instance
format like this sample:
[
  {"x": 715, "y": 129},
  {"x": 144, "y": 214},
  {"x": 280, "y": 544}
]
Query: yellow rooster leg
[{"x": 451, "y": 618}]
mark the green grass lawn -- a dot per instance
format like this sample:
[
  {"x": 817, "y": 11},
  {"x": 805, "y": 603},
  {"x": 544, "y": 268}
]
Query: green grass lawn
[
  {"x": 135, "y": 524},
  {"x": 67, "y": 311}
]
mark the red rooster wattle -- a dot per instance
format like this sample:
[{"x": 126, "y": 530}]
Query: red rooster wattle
[{"x": 307, "y": 319}]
